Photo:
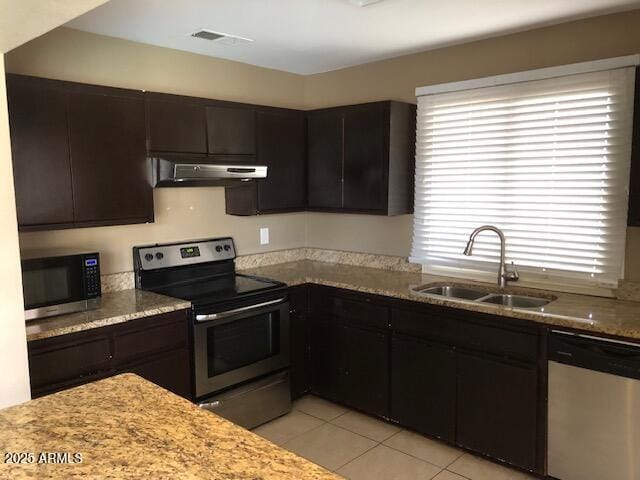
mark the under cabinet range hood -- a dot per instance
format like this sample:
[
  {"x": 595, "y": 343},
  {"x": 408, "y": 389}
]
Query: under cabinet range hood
[{"x": 194, "y": 171}]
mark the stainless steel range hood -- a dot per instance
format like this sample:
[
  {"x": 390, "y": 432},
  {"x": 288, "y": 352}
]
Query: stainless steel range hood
[{"x": 187, "y": 171}]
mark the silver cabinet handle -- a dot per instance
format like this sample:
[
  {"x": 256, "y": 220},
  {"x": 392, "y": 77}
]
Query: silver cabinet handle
[{"x": 228, "y": 313}]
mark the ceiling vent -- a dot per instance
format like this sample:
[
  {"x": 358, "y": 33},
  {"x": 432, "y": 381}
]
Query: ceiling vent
[{"x": 220, "y": 37}]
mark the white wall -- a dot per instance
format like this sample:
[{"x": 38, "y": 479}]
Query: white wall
[{"x": 14, "y": 380}]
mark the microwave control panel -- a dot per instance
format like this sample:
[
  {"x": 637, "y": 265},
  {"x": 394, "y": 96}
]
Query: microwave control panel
[{"x": 91, "y": 269}]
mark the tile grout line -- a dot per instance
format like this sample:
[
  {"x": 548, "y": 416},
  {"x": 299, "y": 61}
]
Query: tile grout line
[
  {"x": 451, "y": 471},
  {"x": 421, "y": 459},
  {"x": 330, "y": 422},
  {"x": 303, "y": 433},
  {"x": 355, "y": 458}
]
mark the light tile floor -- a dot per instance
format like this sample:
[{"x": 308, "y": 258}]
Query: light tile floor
[{"x": 357, "y": 447}]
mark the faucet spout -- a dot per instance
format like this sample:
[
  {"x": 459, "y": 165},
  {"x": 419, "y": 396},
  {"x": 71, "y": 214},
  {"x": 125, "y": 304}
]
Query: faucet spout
[{"x": 504, "y": 275}]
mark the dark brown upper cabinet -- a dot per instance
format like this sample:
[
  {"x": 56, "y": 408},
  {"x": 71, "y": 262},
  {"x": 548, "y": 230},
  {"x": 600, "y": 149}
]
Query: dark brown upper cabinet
[
  {"x": 361, "y": 158},
  {"x": 324, "y": 158},
  {"x": 78, "y": 154},
  {"x": 364, "y": 158},
  {"x": 281, "y": 146},
  {"x": 40, "y": 151},
  {"x": 231, "y": 130},
  {"x": 179, "y": 124},
  {"x": 108, "y": 158},
  {"x": 176, "y": 124}
]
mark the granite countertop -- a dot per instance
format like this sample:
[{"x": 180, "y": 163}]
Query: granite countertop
[
  {"x": 116, "y": 307},
  {"x": 619, "y": 318},
  {"x": 126, "y": 427}
]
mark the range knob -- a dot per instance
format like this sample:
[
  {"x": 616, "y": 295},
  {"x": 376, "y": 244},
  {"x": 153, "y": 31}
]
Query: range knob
[
  {"x": 227, "y": 248},
  {"x": 148, "y": 257},
  {"x": 218, "y": 248},
  {"x": 159, "y": 255}
]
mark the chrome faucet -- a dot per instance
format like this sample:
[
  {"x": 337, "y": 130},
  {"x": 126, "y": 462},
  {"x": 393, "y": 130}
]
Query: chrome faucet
[{"x": 504, "y": 275}]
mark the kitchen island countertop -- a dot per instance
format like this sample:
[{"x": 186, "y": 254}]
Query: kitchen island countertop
[{"x": 125, "y": 427}]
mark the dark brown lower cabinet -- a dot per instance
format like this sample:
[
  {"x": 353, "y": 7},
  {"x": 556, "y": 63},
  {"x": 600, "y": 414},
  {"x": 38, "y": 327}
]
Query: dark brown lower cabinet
[
  {"x": 166, "y": 370},
  {"x": 328, "y": 358},
  {"x": 350, "y": 365},
  {"x": 156, "y": 348},
  {"x": 423, "y": 386},
  {"x": 497, "y": 409},
  {"x": 300, "y": 369},
  {"x": 367, "y": 373},
  {"x": 474, "y": 380}
]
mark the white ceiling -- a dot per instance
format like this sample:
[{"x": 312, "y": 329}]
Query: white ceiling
[{"x": 312, "y": 36}]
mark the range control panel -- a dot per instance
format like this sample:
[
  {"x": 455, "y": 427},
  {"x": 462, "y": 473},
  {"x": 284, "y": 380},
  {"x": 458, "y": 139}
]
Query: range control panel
[{"x": 153, "y": 257}]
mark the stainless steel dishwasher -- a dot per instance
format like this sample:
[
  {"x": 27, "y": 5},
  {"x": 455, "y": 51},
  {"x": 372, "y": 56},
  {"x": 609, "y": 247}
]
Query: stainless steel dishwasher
[{"x": 594, "y": 408}]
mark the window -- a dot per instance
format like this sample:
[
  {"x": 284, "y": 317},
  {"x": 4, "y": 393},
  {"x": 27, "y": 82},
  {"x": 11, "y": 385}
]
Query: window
[{"x": 547, "y": 161}]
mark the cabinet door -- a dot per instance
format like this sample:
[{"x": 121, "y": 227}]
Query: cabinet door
[
  {"x": 231, "y": 130},
  {"x": 497, "y": 409},
  {"x": 40, "y": 152},
  {"x": 170, "y": 370},
  {"x": 110, "y": 170},
  {"x": 367, "y": 380},
  {"x": 281, "y": 146},
  {"x": 324, "y": 157},
  {"x": 423, "y": 387},
  {"x": 176, "y": 126},
  {"x": 328, "y": 358},
  {"x": 300, "y": 370},
  {"x": 364, "y": 158}
]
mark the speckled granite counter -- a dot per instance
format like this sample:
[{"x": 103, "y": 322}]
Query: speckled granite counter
[
  {"x": 125, "y": 427},
  {"x": 116, "y": 307},
  {"x": 594, "y": 314}
]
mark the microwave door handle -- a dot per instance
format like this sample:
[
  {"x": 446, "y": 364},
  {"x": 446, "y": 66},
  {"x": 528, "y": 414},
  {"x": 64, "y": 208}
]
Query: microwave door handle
[{"x": 228, "y": 313}]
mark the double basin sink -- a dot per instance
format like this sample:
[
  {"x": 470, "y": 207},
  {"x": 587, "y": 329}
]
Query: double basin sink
[{"x": 470, "y": 294}]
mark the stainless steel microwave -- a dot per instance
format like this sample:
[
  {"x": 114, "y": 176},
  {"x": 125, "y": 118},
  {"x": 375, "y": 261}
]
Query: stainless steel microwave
[{"x": 60, "y": 284}]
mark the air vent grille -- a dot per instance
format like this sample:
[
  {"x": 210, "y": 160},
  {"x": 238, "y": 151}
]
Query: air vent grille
[
  {"x": 219, "y": 37},
  {"x": 207, "y": 35}
]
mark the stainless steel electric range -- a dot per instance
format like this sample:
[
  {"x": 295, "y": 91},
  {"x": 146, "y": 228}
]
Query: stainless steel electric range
[{"x": 240, "y": 326}]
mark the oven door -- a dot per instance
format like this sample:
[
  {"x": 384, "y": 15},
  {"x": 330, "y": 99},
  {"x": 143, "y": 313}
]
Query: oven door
[{"x": 240, "y": 343}]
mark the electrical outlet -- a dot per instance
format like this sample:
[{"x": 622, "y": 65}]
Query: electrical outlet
[{"x": 264, "y": 236}]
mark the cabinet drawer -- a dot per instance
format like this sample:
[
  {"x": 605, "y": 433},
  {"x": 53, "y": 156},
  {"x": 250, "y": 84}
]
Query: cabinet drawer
[
  {"x": 448, "y": 328},
  {"x": 499, "y": 341},
  {"x": 48, "y": 367},
  {"x": 424, "y": 324},
  {"x": 358, "y": 311},
  {"x": 150, "y": 339}
]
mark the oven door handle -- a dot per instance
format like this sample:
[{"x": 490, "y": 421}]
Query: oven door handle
[{"x": 228, "y": 313}]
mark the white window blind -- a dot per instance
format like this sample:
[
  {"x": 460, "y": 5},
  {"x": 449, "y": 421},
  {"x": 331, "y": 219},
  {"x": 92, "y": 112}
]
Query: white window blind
[{"x": 547, "y": 161}]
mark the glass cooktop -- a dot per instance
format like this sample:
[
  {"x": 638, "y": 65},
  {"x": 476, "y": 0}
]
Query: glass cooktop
[{"x": 219, "y": 289}]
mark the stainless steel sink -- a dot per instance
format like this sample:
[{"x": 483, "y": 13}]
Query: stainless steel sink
[
  {"x": 451, "y": 291},
  {"x": 515, "y": 301},
  {"x": 486, "y": 296}
]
